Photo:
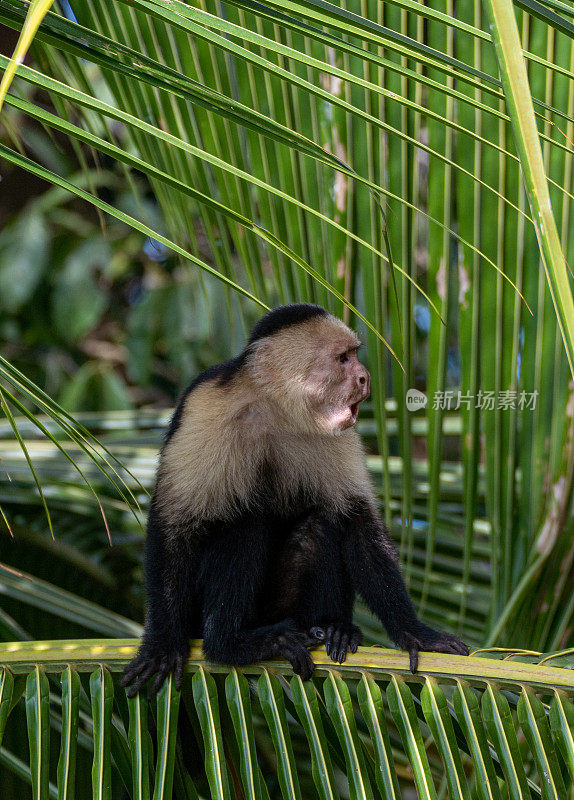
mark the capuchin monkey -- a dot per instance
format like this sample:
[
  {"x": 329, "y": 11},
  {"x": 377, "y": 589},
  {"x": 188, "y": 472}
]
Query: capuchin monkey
[{"x": 263, "y": 524}]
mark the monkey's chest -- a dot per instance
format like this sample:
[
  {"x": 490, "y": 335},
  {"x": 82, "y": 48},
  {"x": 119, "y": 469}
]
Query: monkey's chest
[
  {"x": 294, "y": 554},
  {"x": 297, "y": 478}
]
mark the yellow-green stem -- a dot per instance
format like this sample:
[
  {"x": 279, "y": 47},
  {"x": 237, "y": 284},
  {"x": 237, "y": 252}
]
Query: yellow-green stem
[{"x": 519, "y": 102}]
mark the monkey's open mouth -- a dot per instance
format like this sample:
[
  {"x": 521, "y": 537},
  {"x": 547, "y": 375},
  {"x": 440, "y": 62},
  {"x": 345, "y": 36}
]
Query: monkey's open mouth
[{"x": 354, "y": 411}]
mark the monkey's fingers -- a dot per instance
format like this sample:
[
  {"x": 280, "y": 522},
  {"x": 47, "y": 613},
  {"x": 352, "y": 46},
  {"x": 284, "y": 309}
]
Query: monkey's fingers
[
  {"x": 341, "y": 654},
  {"x": 433, "y": 642},
  {"x": 134, "y": 668},
  {"x": 147, "y": 671},
  {"x": 170, "y": 663},
  {"x": 335, "y": 644},
  {"x": 412, "y": 644},
  {"x": 306, "y": 666},
  {"x": 300, "y": 660},
  {"x": 162, "y": 673},
  {"x": 356, "y": 639},
  {"x": 413, "y": 657},
  {"x": 449, "y": 644},
  {"x": 459, "y": 646},
  {"x": 329, "y": 644},
  {"x": 341, "y": 637}
]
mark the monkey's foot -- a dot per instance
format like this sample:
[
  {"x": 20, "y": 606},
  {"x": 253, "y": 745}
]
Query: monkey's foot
[
  {"x": 292, "y": 645},
  {"x": 150, "y": 663},
  {"x": 431, "y": 641},
  {"x": 338, "y": 638}
]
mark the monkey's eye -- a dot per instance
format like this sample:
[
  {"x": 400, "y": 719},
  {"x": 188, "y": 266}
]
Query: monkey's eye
[{"x": 343, "y": 357}]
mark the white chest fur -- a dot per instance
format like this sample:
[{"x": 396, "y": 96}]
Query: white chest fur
[{"x": 213, "y": 463}]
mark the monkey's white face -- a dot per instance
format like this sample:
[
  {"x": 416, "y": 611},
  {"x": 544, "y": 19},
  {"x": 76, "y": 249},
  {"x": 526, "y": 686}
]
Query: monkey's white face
[
  {"x": 312, "y": 372},
  {"x": 337, "y": 383}
]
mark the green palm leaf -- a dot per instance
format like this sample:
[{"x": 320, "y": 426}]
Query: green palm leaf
[{"x": 347, "y": 691}]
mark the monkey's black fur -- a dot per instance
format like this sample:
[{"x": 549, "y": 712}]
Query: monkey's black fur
[
  {"x": 268, "y": 582},
  {"x": 284, "y": 317}
]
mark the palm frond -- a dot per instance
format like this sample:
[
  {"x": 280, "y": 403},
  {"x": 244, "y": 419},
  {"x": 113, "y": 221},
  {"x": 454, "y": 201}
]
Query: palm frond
[{"x": 369, "y": 717}]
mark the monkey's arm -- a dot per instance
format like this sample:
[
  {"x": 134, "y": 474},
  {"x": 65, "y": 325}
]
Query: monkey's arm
[
  {"x": 170, "y": 565},
  {"x": 376, "y": 576}
]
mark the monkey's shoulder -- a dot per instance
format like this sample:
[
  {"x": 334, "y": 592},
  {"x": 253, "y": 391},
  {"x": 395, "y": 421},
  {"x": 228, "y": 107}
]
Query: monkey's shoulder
[
  {"x": 208, "y": 463},
  {"x": 206, "y": 384},
  {"x": 220, "y": 404}
]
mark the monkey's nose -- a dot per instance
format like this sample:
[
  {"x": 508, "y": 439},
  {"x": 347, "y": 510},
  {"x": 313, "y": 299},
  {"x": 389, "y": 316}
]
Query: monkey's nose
[{"x": 363, "y": 381}]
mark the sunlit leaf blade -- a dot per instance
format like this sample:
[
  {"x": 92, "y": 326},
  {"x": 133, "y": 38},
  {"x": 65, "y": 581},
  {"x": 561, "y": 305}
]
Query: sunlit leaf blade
[
  {"x": 402, "y": 708},
  {"x": 306, "y": 702},
  {"x": 519, "y": 103},
  {"x": 36, "y": 12},
  {"x": 102, "y": 696},
  {"x": 207, "y": 706},
  {"x": 291, "y": 76},
  {"x": 71, "y": 687},
  {"x": 319, "y": 11},
  {"x": 38, "y": 719},
  {"x": 437, "y": 715},
  {"x": 562, "y": 723},
  {"x": 502, "y": 732},
  {"x": 167, "y": 713},
  {"x": 467, "y": 710},
  {"x": 534, "y": 723},
  {"x": 340, "y": 708},
  {"x": 188, "y": 18},
  {"x": 138, "y": 740},
  {"x": 373, "y": 710},
  {"x": 239, "y": 704},
  {"x": 130, "y": 63},
  {"x": 273, "y": 703}
]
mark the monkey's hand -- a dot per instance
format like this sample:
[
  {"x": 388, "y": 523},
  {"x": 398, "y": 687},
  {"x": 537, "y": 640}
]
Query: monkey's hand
[
  {"x": 428, "y": 640},
  {"x": 338, "y": 638},
  {"x": 151, "y": 661},
  {"x": 292, "y": 644}
]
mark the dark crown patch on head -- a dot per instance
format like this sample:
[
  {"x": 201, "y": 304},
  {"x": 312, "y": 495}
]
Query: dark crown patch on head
[{"x": 283, "y": 317}]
